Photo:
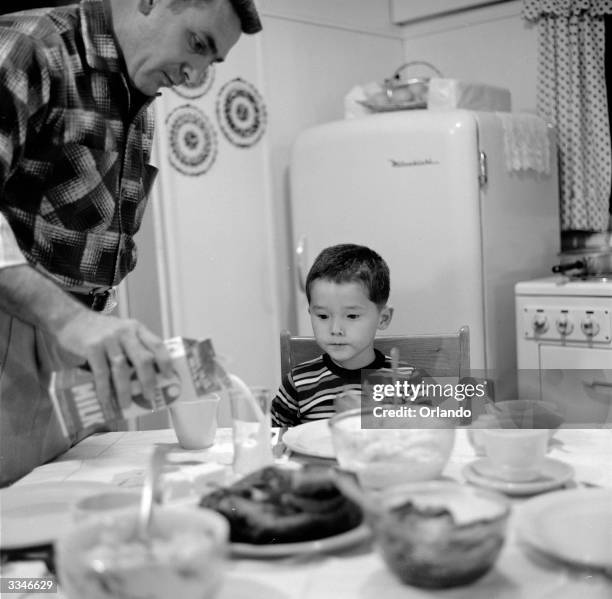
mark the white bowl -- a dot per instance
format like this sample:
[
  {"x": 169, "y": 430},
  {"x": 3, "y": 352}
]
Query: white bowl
[{"x": 104, "y": 559}]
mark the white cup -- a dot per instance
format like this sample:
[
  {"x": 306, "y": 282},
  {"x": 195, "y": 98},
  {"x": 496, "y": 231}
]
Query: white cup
[
  {"x": 195, "y": 422},
  {"x": 516, "y": 455}
]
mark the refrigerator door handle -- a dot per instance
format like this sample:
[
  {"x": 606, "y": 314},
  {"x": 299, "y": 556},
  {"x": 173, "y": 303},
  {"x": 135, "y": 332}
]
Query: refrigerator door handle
[
  {"x": 483, "y": 171},
  {"x": 300, "y": 260}
]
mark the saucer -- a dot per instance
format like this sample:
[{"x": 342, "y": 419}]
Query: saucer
[{"x": 553, "y": 474}]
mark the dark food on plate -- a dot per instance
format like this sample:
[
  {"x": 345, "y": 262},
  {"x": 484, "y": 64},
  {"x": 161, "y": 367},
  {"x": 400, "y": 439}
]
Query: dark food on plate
[{"x": 284, "y": 505}]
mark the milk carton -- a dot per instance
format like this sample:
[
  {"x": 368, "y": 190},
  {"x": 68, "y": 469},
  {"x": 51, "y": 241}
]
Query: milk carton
[{"x": 197, "y": 373}]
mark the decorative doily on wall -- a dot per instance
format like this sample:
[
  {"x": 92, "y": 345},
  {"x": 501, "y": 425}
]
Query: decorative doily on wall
[
  {"x": 191, "y": 91},
  {"x": 193, "y": 141},
  {"x": 241, "y": 113}
]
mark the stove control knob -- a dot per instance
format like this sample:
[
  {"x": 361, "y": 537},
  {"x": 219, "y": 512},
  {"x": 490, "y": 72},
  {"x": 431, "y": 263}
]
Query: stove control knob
[
  {"x": 540, "y": 323},
  {"x": 589, "y": 326},
  {"x": 564, "y": 325}
]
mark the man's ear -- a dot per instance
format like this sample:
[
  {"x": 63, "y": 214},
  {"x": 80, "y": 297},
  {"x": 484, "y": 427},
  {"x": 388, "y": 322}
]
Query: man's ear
[
  {"x": 386, "y": 314},
  {"x": 146, "y": 6}
]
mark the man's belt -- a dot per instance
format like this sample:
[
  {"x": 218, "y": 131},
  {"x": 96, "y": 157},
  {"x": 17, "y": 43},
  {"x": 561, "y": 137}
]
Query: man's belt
[{"x": 99, "y": 299}]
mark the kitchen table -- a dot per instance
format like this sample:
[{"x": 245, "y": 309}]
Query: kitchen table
[{"x": 356, "y": 572}]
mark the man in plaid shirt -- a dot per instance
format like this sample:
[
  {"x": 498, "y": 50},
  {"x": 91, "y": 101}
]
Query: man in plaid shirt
[{"x": 76, "y": 86}]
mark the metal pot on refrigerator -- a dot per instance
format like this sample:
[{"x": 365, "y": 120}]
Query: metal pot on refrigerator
[{"x": 586, "y": 262}]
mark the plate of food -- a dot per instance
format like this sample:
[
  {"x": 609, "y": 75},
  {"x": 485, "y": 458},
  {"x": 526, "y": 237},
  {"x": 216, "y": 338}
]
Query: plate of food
[
  {"x": 329, "y": 544},
  {"x": 311, "y": 439},
  {"x": 284, "y": 510},
  {"x": 573, "y": 526}
]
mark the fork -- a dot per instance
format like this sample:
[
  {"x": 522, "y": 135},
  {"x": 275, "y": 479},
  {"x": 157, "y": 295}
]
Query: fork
[{"x": 280, "y": 450}]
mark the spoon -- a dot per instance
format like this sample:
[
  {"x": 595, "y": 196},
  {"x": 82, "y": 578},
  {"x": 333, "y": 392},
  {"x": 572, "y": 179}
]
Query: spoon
[
  {"x": 149, "y": 493},
  {"x": 395, "y": 370}
]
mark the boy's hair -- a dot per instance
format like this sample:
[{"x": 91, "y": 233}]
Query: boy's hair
[{"x": 349, "y": 263}]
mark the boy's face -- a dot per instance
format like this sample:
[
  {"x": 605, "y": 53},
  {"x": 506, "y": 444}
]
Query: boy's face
[{"x": 345, "y": 321}]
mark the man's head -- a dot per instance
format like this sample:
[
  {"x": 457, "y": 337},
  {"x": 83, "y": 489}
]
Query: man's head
[
  {"x": 170, "y": 42},
  {"x": 347, "y": 289}
]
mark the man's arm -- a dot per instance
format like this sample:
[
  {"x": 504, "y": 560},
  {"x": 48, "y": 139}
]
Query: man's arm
[{"x": 108, "y": 344}]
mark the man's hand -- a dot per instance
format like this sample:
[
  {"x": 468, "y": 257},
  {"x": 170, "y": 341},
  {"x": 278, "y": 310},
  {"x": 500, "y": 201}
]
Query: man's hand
[{"x": 111, "y": 346}]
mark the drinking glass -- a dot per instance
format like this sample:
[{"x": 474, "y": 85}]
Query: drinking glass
[{"x": 251, "y": 429}]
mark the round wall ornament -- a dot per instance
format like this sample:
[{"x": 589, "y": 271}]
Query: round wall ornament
[
  {"x": 192, "y": 139},
  {"x": 241, "y": 113}
]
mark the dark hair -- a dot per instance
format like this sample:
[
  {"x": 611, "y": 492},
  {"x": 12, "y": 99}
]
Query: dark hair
[
  {"x": 348, "y": 263},
  {"x": 245, "y": 9},
  {"x": 247, "y": 13}
]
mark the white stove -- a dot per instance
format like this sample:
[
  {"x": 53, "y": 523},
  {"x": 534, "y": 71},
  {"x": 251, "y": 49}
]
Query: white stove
[{"x": 564, "y": 343}]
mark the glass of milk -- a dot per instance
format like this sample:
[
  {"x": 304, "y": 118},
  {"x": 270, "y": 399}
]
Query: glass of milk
[{"x": 251, "y": 428}]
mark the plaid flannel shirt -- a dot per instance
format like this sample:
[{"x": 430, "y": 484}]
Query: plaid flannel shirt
[{"x": 75, "y": 142}]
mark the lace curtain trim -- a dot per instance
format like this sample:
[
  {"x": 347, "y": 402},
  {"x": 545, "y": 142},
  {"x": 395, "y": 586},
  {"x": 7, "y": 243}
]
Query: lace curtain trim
[{"x": 534, "y": 9}]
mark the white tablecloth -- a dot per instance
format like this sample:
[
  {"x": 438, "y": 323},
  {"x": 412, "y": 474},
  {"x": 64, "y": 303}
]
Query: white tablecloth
[{"x": 358, "y": 572}]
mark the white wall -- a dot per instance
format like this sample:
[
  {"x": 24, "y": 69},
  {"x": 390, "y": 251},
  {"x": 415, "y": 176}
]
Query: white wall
[
  {"x": 212, "y": 236},
  {"x": 490, "y": 45},
  {"x": 403, "y": 11}
]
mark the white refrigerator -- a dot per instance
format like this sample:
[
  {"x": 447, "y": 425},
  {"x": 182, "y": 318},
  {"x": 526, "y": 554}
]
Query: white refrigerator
[{"x": 432, "y": 193}]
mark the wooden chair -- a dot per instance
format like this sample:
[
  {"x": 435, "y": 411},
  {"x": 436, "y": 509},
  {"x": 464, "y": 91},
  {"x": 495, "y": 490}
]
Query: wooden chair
[
  {"x": 444, "y": 355},
  {"x": 441, "y": 356}
]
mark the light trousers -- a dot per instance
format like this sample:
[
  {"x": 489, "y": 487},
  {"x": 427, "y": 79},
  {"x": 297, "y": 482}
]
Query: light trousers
[{"x": 30, "y": 433}]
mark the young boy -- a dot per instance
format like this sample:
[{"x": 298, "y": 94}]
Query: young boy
[{"x": 347, "y": 290}]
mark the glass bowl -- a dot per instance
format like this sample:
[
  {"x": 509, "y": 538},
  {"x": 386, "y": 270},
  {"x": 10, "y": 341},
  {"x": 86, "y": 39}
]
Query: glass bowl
[
  {"x": 104, "y": 558},
  {"x": 438, "y": 534},
  {"x": 381, "y": 457}
]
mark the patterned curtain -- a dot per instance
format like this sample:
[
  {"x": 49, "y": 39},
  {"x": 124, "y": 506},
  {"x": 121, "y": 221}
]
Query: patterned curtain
[{"x": 572, "y": 96}]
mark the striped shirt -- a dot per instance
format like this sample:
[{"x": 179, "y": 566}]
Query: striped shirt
[
  {"x": 308, "y": 392},
  {"x": 75, "y": 142}
]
